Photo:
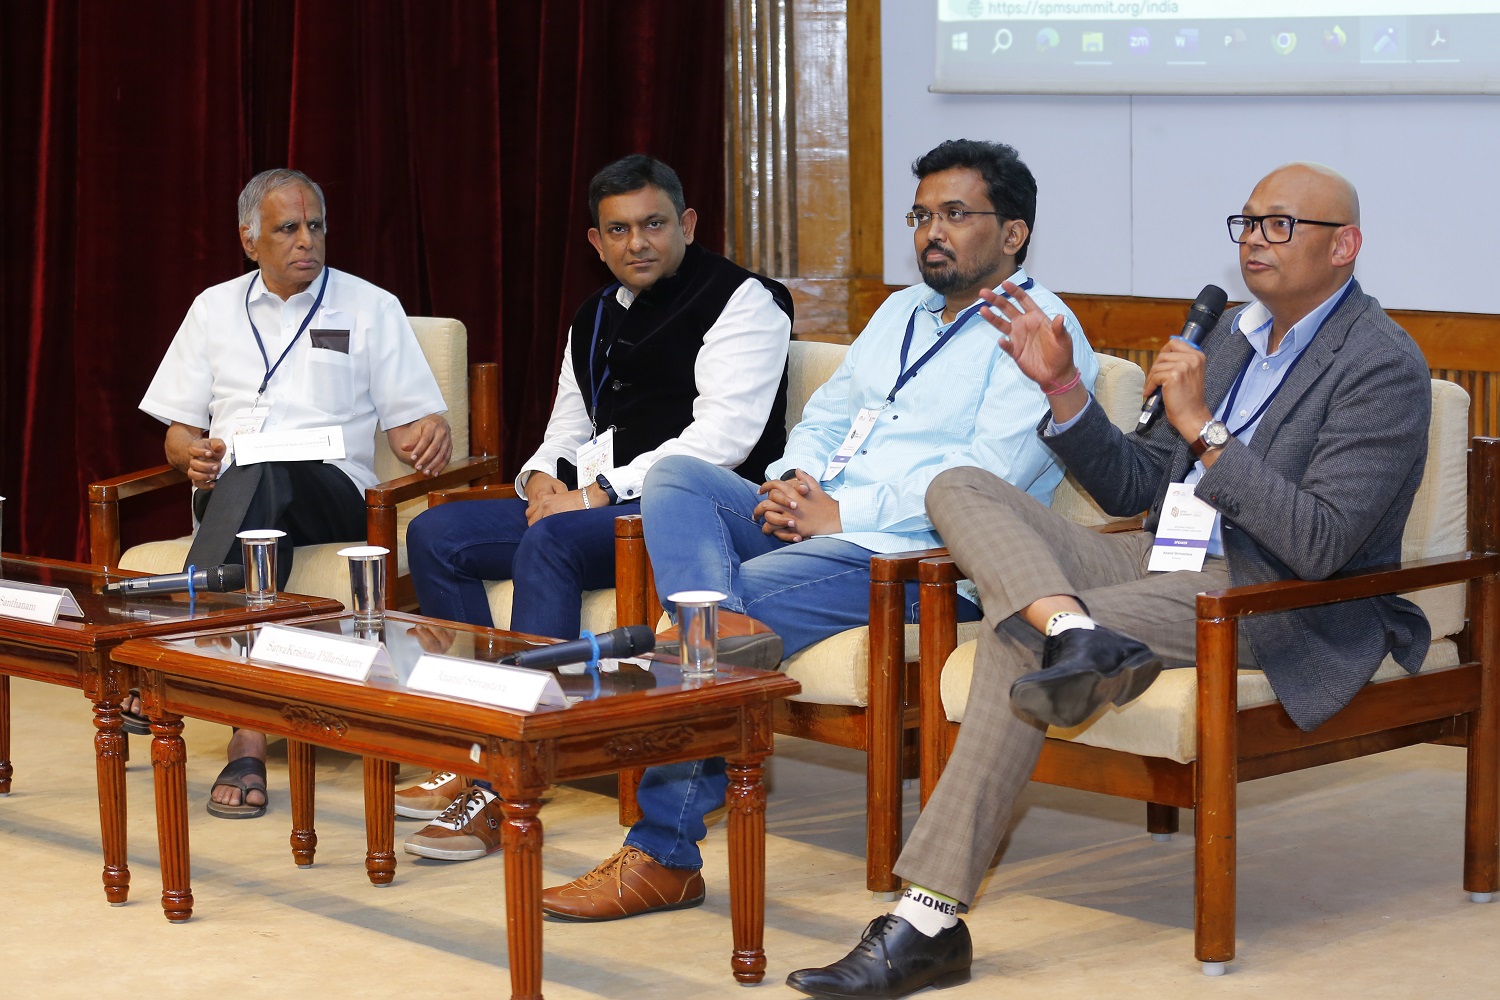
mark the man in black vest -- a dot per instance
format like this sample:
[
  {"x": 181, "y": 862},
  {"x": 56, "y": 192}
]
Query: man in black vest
[{"x": 684, "y": 353}]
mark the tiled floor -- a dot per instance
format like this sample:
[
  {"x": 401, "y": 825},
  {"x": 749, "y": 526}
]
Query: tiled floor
[{"x": 1349, "y": 887}]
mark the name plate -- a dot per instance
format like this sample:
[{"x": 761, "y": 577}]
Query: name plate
[
  {"x": 495, "y": 684},
  {"x": 312, "y": 444},
  {"x": 322, "y": 653},
  {"x": 32, "y": 603}
]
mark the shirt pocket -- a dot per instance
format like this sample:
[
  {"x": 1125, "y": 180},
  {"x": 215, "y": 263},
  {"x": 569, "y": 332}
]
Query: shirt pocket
[{"x": 330, "y": 382}]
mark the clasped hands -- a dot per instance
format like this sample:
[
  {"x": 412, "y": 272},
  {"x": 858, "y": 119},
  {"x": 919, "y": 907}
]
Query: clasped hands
[
  {"x": 1043, "y": 350},
  {"x": 796, "y": 509},
  {"x": 547, "y": 495}
]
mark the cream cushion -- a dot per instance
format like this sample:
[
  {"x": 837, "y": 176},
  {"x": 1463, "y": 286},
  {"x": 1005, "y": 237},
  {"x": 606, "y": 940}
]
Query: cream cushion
[
  {"x": 317, "y": 569},
  {"x": 1162, "y": 722},
  {"x": 836, "y": 671}
]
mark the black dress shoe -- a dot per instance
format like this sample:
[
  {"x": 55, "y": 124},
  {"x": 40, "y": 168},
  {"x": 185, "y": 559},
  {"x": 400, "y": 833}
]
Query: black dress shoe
[
  {"x": 893, "y": 959},
  {"x": 1083, "y": 669}
]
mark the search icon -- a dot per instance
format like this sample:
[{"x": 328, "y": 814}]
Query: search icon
[{"x": 1003, "y": 38}]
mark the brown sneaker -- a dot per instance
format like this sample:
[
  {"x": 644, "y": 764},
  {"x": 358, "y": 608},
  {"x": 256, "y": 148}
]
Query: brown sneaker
[
  {"x": 626, "y": 885},
  {"x": 431, "y": 797},
  {"x": 469, "y": 828}
]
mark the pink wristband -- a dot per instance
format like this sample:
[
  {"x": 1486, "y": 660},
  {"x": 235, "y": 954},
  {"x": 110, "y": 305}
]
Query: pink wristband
[{"x": 1077, "y": 375}]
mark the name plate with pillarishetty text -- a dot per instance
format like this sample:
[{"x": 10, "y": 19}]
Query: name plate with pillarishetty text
[
  {"x": 33, "y": 603},
  {"x": 322, "y": 653},
  {"x": 518, "y": 688}
]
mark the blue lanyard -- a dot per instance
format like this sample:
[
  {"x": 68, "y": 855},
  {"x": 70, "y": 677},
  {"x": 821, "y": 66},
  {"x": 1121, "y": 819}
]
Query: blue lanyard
[
  {"x": 270, "y": 368},
  {"x": 962, "y": 318},
  {"x": 1234, "y": 390},
  {"x": 597, "y": 384}
]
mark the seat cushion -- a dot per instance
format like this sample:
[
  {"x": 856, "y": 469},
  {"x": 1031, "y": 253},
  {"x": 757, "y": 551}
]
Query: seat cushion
[
  {"x": 836, "y": 671},
  {"x": 598, "y": 606},
  {"x": 1161, "y": 722}
]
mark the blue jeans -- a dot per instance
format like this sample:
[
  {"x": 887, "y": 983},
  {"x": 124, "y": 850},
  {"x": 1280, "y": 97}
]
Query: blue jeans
[
  {"x": 701, "y": 535},
  {"x": 453, "y": 548}
]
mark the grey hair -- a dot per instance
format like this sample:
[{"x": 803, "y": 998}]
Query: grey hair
[{"x": 263, "y": 184}]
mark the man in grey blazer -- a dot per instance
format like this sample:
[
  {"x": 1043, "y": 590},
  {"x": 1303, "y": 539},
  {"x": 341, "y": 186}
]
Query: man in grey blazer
[{"x": 1298, "y": 432}]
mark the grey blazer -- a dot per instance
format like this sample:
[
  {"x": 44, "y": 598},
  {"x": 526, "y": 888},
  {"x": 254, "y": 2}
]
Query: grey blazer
[{"x": 1323, "y": 487}]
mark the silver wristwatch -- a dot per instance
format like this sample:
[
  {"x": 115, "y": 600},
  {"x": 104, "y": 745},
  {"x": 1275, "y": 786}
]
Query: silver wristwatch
[{"x": 1213, "y": 435}]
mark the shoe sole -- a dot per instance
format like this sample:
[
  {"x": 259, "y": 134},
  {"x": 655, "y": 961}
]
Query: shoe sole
[
  {"x": 576, "y": 919},
  {"x": 411, "y": 812},
  {"x": 438, "y": 854},
  {"x": 1069, "y": 700},
  {"x": 957, "y": 977}
]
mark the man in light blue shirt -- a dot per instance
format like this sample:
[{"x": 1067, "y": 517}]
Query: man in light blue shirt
[{"x": 925, "y": 388}]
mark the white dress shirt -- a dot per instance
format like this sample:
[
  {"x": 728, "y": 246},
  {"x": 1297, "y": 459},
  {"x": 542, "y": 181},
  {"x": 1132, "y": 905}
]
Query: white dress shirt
[
  {"x": 214, "y": 367},
  {"x": 737, "y": 372}
]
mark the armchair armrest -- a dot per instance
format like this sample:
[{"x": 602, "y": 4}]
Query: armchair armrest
[
  {"x": 104, "y": 507},
  {"x": 1287, "y": 595},
  {"x": 504, "y": 491}
]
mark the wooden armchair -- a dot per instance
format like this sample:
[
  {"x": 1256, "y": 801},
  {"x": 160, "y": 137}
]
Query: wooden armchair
[
  {"x": 856, "y": 689},
  {"x": 1196, "y": 733},
  {"x": 472, "y": 393}
]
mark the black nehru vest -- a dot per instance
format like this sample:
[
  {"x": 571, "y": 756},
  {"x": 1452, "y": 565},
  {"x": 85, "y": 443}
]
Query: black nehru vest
[{"x": 650, "y": 349}]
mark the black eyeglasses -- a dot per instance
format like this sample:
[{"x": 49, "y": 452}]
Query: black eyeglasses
[
  {"x": 1275, "y": 228},
  {"x": 952, "y": 216}
]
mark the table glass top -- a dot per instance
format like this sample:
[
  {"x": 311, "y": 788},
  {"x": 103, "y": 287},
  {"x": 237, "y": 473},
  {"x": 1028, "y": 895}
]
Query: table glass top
[
  {"x": 408, "y": 638},
  {"x": 102, "y": 610}
]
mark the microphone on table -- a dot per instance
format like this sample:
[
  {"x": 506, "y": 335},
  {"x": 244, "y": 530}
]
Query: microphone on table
[
  {"x": 1205, "y": 312},
  {"x": 614, "y": 644},
  {"x": 230, "y": 576}
]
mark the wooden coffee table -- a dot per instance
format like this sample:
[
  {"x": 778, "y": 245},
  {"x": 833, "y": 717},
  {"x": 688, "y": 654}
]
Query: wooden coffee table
[
  {"x": 75, "y": 653},
  {"x": 630, "y": 718}
]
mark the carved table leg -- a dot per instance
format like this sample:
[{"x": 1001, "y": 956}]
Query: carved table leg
[
  {"x": 746, "y": 799},
  {"x": 109, "y": 761},
  {"x": 169, "y": 765},
  {"x": 301, "y": 764},
  {"x": 380, "y": 820},
  {"x": 5, "y": 769},
  {"x": 522, "y": 836}
]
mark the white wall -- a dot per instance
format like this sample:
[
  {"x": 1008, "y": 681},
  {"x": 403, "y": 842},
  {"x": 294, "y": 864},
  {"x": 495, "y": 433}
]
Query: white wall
[{"x": 1133, "y": 191}]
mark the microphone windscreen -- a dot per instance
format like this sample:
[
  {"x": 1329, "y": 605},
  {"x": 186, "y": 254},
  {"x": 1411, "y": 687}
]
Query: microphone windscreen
[
  {"x": 1211, "y": 301},
  {"x": 230, "y": 576}
]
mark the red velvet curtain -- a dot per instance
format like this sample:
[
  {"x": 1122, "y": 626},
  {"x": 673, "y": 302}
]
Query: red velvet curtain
[{"x": 453, "y": 141}]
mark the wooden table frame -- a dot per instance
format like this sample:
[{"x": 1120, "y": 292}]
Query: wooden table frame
[
  {"x": 521, "y": 754},
  {"x": 76, "y": 654}
]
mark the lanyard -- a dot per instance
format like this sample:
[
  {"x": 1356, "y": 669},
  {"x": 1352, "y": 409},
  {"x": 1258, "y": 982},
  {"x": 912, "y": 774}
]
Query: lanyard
[
  {"x": 597, "y": 384},
  {"x": 270, "y": 368},
  {"x": 1234, "y": 390},
  {"x": 960, "y": 320}
]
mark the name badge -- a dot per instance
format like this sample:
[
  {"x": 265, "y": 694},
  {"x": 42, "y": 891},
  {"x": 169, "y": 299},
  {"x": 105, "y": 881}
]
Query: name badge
[
  {"x": 517, "y": 688},
  {"x": 595, "y": 457},
  {"x": 321, "y": 652},
  {"x": 246, "y": 420},
  {"x": 312, "y": 444},
  {"x": 864, "y": 422},
  {"x": 1183, "y": 532}
]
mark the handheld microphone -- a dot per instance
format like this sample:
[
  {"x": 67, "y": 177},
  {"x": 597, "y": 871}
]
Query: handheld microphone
[
  {"x": 1206, "y": 310},
  {"x": 230, "y": 576},
  {"x": 615, "y": 643}
]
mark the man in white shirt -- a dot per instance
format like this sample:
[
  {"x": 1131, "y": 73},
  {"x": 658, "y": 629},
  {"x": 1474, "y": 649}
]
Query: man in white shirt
[
  {"x": 293, "y": 345},
  {"x": 684, "y": 353}
]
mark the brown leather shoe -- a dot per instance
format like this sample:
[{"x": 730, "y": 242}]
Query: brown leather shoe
[{"x": 626, "y": 885}]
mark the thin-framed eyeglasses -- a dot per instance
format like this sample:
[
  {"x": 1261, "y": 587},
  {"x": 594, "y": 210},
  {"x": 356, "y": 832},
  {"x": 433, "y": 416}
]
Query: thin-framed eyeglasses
[
  {"x": 951, "y": 216},
  {"x": 1275, "y": 228}
]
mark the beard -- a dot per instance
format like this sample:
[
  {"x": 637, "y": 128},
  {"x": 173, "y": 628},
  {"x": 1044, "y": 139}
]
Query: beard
[{"x": 949, "y": 275}]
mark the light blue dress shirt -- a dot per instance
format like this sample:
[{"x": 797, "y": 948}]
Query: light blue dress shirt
[{"x": 969, "y": 405}]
